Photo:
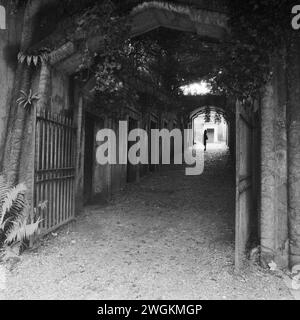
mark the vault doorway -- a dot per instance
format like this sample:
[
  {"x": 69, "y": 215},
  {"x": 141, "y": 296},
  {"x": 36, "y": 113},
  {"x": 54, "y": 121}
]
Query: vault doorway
[
  {"x": 89, "y": 157},
  {"x": 131, "y": 169}
]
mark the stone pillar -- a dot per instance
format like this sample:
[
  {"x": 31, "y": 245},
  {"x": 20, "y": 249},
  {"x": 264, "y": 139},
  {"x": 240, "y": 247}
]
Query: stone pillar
[
  {"x": 109, "y": 166},
  {"x": 79, "y": 189},
  {"x": 293, "y": 120},
  {"x": 138, "y": 167},
  {"x": 267, "y": 206},
  {"x": 281, "y": 217},
  {"x": 273, "y": 222}
]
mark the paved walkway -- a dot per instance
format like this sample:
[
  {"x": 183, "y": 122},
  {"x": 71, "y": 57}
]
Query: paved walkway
[{"x": 169, "y": 237}]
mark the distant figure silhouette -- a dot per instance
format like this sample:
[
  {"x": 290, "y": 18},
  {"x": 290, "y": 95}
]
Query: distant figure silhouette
[{"x": 205, "y": 138}]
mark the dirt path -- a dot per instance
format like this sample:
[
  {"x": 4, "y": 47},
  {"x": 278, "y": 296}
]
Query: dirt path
[{"x": 169, "y": 237}]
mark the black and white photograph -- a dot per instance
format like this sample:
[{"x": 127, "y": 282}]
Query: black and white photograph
[{"x": 149, "y": 151}]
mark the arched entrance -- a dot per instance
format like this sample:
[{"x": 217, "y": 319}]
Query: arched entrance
[
  {"x": 217, "y": 121},
  {"x": 209, "y": 25}
]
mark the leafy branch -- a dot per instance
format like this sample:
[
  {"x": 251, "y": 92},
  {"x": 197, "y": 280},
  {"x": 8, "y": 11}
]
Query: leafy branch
[{"x": 259, "y": 29}]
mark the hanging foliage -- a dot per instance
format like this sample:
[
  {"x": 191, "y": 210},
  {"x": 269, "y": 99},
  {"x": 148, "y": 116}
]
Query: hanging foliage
[
  {"x": 33, "y": 59},
  {"x": 112, "y": 65},
  {"x": 123, "y": 61},
  {"x": 218, "y": 118},
  {"x": 207, "y": 115},
  {"x": 259, "y": 28}
]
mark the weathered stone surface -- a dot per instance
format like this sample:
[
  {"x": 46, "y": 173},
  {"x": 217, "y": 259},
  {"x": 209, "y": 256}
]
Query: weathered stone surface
[{"x": 294, "y": 150}]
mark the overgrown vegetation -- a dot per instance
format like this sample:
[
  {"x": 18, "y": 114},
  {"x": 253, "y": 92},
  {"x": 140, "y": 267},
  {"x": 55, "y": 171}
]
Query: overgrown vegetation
[
  {"x": 159, "y": 60},
  {"x": 17, "y": 224},
  {"x": 242, "y": 63},
  {"x": 260, "y": 29},
  {"x": 124, "y": 61}
]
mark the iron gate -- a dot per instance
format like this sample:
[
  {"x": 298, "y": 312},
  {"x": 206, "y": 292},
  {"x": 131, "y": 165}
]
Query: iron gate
[{"x": 54, "y": 169}]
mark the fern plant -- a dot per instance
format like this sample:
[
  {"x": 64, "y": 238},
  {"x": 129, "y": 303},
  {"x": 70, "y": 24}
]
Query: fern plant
[
  {"x": 16, "y": 223},
  {"x": 26, "y": 100}
]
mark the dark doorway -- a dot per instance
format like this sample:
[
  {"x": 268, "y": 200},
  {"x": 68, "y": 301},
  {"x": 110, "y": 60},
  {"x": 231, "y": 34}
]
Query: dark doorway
[
  {"x": 131, "y": 169},
  {"x": 153, "y": 126},
  {"x": 144, "y": 167},
  {"x": 89, "y": 151},
  {"x": 173, "y": 145}
]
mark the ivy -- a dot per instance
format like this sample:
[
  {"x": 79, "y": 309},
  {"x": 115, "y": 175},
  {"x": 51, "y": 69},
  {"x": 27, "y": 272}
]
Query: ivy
[
  {"x": 123, "y": 61},
  {"x": 241, "y": 64},
  {"x": 259, "y": 30}
]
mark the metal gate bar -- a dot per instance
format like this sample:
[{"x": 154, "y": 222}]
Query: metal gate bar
[{"x": 54, "y": 170}]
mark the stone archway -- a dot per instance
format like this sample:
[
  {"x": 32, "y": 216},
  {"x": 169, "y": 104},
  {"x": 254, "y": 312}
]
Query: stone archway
[
  {"x": 201, "y": 110},
  {"x": 152, "y": 15},
  {"x": 229, "y": 117},
  {"x": 209, "y": 24}
]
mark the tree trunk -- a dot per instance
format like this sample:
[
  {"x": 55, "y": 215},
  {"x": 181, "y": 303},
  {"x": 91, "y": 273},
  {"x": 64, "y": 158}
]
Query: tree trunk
[
  {"x": 18, "y": 116},
  {"x": 293, "y": 113},
  {"x": 27, "y": 159},
  {"x": 44, "y": 86}
]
